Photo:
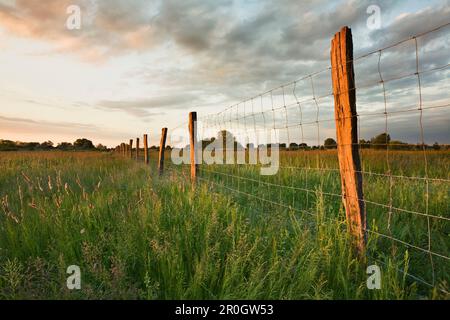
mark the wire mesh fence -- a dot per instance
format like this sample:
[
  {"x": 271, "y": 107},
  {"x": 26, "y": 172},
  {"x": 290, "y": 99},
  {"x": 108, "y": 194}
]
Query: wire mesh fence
[{"x": 402, "y": 102}]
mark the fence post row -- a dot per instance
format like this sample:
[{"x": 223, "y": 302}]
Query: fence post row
[
  {"x": 193, "y": 144},
  {"x": 146, "y": 160},
  {"x": 343, "y": 79},
  {"x": 162, "y": 148},
  {"x": 137, "y": 149},
  {"x": 344, "y": 92}
]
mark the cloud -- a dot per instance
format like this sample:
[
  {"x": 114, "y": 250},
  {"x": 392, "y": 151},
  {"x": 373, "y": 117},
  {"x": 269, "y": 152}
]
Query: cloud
[
  {"x": 110, "y": 33},
  {"x": 240, "y": 57},
  {"x": 190, "y": 23},
  {"x": 54, "y": 124},
  {"x": 408, "y": 25},
  {"x": 141, "y": 108}
]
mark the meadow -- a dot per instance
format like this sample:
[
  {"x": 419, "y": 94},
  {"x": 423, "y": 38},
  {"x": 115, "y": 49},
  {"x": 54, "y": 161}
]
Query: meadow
[{"x": 236, "y": 235}]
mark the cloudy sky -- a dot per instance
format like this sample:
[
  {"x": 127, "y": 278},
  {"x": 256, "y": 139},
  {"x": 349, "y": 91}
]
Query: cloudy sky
[{"x": 136, "y": 66}]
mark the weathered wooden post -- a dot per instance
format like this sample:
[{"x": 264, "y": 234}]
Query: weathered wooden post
[
  {"x": 146, "y": 159},
  {"x": 137, "y": 149},
  {"x": 130, "y": 152},
  {"x": 193, "y": 144},
  {"x": 162, "y": 148},
  {"x": 347, "y": 134}
]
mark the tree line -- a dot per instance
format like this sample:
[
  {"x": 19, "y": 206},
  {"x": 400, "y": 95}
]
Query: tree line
[
  {"x": 81, "y": 144},
  {"x": 379, "y": 142}
]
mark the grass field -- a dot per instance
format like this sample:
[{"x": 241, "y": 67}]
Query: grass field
[{"x": 140, "y": 236}]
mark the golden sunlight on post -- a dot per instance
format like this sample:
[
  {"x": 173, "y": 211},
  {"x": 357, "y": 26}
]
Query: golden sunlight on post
[
  {"x": 162, "y": 148},
  {"x": 137, "y": 149},
  {"x": 347, "y": 134}
]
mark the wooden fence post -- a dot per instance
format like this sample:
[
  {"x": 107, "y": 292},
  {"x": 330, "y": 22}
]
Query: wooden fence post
[
  {"x": 137, "y": 149},
  {"x": 130, "y": 152},
  {"x": 162, "y": 148},
  {"x": 347, "y": 134},
  {"x": 193, "y": 144},
  {"x": 146, "y": 159}
]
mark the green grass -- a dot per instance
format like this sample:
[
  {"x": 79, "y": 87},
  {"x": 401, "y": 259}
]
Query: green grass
[{"x": 140, "y": 236}]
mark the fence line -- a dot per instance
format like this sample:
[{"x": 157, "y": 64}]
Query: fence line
[{"x": 294, "y": 112}]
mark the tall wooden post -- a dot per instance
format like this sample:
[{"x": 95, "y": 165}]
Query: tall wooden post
[
  {"x": 130, "y": 152},
  {"x": 137, "y": 149},
  {"x": 347, "y": 134},
  {"x": 146, "y": 159},
  {"x": 193, "y": 144},
  {"x": 162, "y": 148}
]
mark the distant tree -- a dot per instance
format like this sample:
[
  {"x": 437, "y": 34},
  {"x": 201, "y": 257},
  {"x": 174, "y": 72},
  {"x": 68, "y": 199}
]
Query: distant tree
[
  {"x": 330, "y": 143},
  {"x": 101, "y": 147},
  {"x": 7, "y": 145},
  {"x": 64, "y": 146},
  {"x": 303, "y": 146},
  {"x": 30, "y": 146},
  {"x": 83, "y": 144},
  {"x": 47, "y": 145},
  {"x": 436, "y": 146},
  {"x": 293, "y": 146},
  {"x": 399, "y": 145},
  {"x": 364, "y": 144},
  {"x": 381, "y": 141}
]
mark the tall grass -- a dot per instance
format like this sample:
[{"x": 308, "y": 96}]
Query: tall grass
[{"x": 140, "y": 236}]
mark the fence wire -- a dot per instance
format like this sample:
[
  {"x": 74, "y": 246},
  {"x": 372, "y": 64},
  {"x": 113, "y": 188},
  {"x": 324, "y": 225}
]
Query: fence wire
[
  {"x": 401, "y": 90},
  {"x": 403, "y": 100}
]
